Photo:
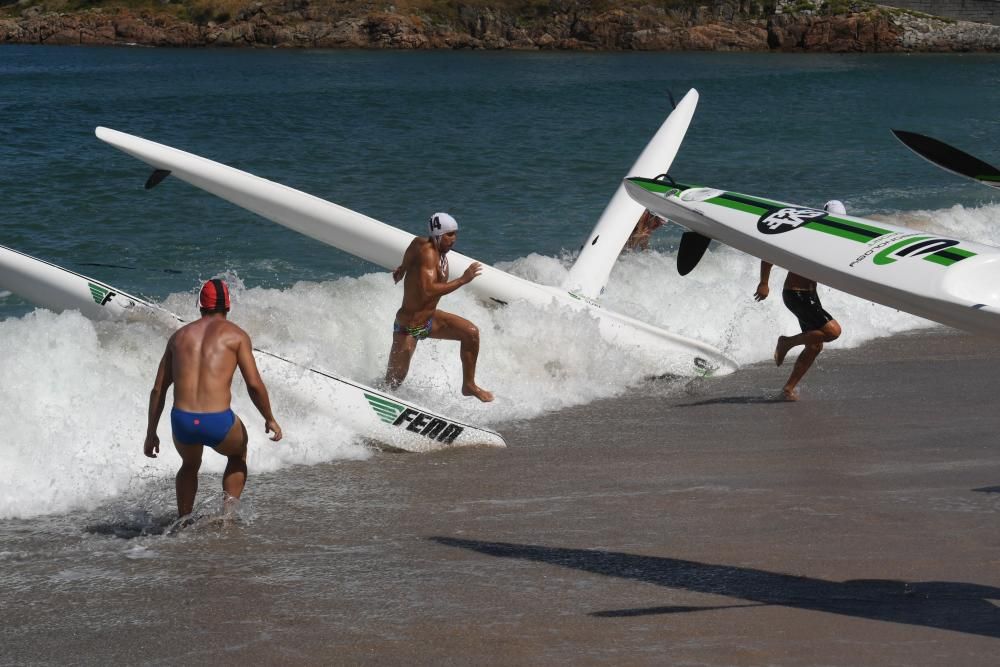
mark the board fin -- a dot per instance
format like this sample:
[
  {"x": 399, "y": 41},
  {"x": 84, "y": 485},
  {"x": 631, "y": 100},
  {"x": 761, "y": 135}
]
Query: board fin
[
  {"x": 156, "y": 178},
  {"x": 950, "y": 158},
  {"x": 692, "y": 249}
]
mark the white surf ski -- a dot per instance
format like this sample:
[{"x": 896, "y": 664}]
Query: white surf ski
[
  {"x": 589, "y": 274},
  {"x": 943, "y": 279},
  {"x": 384, "y": 245}
]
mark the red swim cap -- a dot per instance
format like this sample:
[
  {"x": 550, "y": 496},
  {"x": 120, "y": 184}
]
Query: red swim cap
[{"x": 214, "y": 296}]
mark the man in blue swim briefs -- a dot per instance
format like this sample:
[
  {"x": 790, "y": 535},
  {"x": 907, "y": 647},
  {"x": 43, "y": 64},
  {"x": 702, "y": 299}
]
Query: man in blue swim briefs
[
  {"x": 818, "y": 326},
  {"x": 424, "y": 272},
  {"x": 200, "y": 361}
]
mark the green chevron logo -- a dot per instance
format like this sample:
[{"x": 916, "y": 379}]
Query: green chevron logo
[
  {"x": 429, "y": 426},
  {"x": 386, "y": 410},
  {"x": 101, "y": 294}
]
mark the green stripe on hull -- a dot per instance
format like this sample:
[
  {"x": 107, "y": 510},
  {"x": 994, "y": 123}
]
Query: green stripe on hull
[
  {"x": 949, "y": 256},
  {"x": 654, "y": 186},
  {"x": 851, "y": 230},
  {"x": 854, "y": 223},
  {"x": 766, "y": 204},
  {"x": 860, "y": 237},
  {"x": 943, "y": 261},
  {"x": 737, "y": 205}
]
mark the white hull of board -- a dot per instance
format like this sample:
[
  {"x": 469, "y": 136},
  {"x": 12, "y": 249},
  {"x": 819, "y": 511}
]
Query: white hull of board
[
  {"x": 381, "y": 244},
  {"x": 374, "y": 414},
  {"x": 947, "y": 280},
  {"x": 589, "y": 274}
]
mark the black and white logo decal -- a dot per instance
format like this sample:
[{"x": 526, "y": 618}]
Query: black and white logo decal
[{"x": 786, "y": 219}]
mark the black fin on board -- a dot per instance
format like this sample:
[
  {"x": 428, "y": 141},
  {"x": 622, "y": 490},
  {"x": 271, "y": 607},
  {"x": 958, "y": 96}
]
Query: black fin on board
[
  {"x": 692, "y": 249},
  {"x": 156, "y": 178}
]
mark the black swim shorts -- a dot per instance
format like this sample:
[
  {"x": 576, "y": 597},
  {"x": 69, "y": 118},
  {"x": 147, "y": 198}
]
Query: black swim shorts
[{"x": 805, "y": 305}]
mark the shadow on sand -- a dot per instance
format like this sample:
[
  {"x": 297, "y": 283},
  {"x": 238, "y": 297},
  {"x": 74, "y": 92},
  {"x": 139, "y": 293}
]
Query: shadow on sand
[
  {"x": 736, "y": 400},
  {"x": 957, "y": 606}
]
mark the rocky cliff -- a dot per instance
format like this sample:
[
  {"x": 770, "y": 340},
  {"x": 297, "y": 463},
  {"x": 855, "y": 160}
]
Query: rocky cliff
[{"x": 727, "y": 25}]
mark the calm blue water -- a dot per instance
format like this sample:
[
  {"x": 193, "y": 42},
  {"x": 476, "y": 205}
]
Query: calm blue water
[{"x": 524, "y": 149}]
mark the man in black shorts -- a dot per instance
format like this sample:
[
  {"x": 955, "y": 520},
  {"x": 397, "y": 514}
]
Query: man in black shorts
[{"x": 818, "y": 326}]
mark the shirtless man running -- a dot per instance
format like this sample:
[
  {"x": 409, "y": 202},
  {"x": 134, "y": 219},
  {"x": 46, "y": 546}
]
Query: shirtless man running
[
  {"x": 818, "y": 326},
  {"x": 200, "y": 361},
  {"x": 424, "y": 273}
]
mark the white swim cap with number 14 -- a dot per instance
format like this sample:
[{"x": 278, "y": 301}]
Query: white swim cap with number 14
[{"x": 441, "y": 223}]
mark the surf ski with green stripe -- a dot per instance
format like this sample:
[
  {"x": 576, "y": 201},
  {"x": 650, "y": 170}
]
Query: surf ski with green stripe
[{"x": 948, "y": 280}]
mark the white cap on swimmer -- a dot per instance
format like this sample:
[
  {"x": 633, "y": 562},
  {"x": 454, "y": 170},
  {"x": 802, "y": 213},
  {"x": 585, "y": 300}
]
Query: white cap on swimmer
[
  {"x": 440, "y": 224},
  {"x": 835, "y": 206}
]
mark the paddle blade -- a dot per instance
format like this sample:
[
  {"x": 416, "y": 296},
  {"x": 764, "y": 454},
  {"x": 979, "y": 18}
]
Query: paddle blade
[
  {"x": 950, "y": 158},
  {"x": 692, "y": 249}
]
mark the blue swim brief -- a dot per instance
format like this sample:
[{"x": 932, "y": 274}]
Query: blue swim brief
[
  {"x": 201, "y": 428},
  {"x": 419, "y": 332}
]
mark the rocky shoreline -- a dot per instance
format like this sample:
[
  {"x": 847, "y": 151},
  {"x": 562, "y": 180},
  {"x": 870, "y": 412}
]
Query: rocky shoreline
[{"x": 725, "y": 26}]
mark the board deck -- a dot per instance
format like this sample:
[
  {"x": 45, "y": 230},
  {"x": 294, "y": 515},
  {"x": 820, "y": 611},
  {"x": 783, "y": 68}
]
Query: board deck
[{"x": 944, "y": 279}]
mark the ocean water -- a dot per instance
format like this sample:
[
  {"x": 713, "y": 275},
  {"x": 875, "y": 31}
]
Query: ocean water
[{"x": 523, "y": 148}]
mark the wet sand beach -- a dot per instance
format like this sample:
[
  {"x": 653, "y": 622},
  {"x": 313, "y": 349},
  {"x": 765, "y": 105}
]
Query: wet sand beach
[{"x": 703, "y": 524}]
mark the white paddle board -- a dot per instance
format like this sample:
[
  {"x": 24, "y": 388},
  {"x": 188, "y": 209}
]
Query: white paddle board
[
  {"x": 383, "y": 245},
  {"x": 590, "y": 272},
  {"x": 377, "y": 416},
  {"x": 941, "y": 278}
]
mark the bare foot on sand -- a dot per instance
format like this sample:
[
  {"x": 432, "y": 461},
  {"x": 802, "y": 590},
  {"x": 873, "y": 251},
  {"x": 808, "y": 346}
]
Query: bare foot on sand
[
  {"x": 780, "y": 350},
  {"x": 789, "y": 394},
  {"x": 481, "y": 394}
]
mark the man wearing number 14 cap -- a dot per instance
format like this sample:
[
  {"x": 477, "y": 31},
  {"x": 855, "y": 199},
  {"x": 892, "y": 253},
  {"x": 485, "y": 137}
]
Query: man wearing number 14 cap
[{"x": 424, "y": 272}]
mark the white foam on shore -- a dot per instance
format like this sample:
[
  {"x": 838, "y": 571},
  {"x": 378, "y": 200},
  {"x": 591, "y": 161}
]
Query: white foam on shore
[{"x": 75, "y": 392}]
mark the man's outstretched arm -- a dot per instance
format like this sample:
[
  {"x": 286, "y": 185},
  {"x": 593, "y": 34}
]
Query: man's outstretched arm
[{"x": 433, "y": 287}]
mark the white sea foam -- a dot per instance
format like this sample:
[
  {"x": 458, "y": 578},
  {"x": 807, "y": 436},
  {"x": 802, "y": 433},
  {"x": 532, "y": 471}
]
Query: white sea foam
[{"x": 75, "y": 392}]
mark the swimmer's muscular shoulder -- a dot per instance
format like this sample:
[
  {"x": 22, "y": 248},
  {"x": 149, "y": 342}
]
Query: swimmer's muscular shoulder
[
  {"x": 427, "y": 255},
  {"x": 198, "y": 334},
  {"x": 232, "y": 336},
  {"x": 180, "y": 338},
  {"x": 417, "y": 252}
]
